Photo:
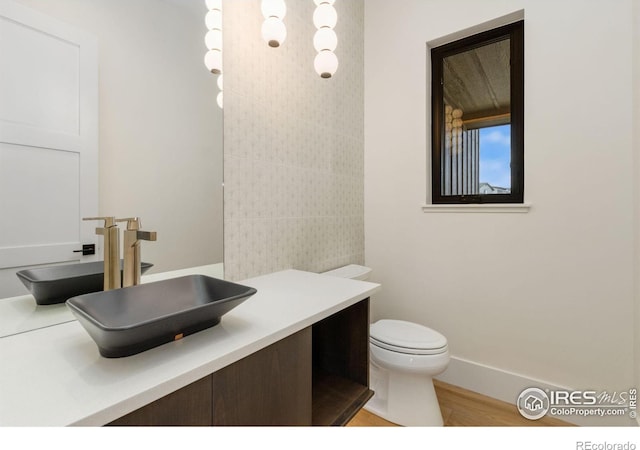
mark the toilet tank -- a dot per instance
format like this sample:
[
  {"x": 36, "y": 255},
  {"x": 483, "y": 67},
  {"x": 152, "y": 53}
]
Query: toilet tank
[{"x": 353, "y": 271}]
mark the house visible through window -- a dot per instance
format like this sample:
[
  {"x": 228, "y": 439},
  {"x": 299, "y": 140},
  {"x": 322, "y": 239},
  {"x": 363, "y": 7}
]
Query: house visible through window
[
  {"x": 495, "y": 160},
  {"x": 478, "y": 118}
]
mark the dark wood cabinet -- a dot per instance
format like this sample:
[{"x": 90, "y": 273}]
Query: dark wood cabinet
[
  {"x": 317, "y": 376},
  {"x": 341, "y": 365},
  {"x": 189, "y": 406},
  {"x": 269, "y": 387}
]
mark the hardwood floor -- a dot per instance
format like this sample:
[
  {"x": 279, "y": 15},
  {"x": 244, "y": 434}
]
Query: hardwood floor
[
  {"x": 365, "y": 419},
  {"x": 463, "y": 408}
]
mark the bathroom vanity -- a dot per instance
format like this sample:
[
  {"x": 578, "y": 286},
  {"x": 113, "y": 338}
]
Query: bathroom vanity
[
  {"x": 22, "y": 313},
  {"x": 296, "y": 353}
]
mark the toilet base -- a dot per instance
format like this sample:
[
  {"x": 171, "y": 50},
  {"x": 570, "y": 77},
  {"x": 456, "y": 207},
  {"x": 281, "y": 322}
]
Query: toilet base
[{"x": 406, "y": 399}]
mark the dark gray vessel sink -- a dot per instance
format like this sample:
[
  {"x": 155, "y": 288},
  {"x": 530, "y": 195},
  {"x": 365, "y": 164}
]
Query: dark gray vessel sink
[
  {"x": 127, "y": 321},
  {"x": 55, "y": 284}
]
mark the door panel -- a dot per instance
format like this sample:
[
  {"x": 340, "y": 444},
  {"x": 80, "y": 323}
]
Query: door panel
[
  {"x": 41, "y": 89},
  {"x": 48, "y": 141},
  {"x": 25, "y": 172}
]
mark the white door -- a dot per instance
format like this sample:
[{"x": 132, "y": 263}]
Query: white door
[{"x": 48, "y": 142}]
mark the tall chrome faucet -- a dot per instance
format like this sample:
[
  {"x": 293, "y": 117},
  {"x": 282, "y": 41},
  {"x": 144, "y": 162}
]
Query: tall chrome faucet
[
  {"x": 131, "y": 247},
  {"x": 111, "y": 251}
]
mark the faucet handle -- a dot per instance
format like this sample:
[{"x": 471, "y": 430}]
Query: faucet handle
[
  {"x": 133, "y": 223},
  {"x": 108, "y": 221},
  {"x": 147, "y": 235}
]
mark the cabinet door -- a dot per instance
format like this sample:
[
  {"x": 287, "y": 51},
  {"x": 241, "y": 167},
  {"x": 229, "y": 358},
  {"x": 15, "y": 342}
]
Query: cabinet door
[
  {"x": 189, "y": 406},
  {"x": 269, "y": 387}
]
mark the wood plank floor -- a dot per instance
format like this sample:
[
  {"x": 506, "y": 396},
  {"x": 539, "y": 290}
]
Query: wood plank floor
[{"x": 464, "y": 408}]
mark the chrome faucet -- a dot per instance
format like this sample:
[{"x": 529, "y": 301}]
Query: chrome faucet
[
  {"x": 131, "y": 247},
  {"x": 111, "y": 251}
]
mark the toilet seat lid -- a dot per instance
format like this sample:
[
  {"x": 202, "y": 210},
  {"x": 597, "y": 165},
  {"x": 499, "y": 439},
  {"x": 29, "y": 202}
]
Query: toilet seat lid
[{"x": 407, "y": 337}]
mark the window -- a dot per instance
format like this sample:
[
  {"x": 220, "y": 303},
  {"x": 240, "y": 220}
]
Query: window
[{"x": 478, "y": 118}]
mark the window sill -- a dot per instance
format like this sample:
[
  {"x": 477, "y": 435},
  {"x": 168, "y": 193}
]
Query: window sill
[{"x": 478, "y": 208}]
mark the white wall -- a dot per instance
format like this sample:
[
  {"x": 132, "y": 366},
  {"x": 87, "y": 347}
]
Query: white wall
[
  {"x": 160, "y": 147},
  {"x": 546, "y": 294},
  {"x": 293, "y": 144}
]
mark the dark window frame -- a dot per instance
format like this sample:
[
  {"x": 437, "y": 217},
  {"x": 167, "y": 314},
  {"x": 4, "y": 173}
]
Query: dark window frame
[{"x": 514, "y": 31}]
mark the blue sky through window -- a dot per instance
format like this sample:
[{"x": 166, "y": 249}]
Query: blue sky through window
[{"x": 495, "y": 156}]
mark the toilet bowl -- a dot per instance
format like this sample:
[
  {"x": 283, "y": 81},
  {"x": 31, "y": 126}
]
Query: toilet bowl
[{"x": 404, "y": 358}]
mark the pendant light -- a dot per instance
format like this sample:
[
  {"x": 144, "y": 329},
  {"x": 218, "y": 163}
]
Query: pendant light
[
  {"x": 213, "y": 42},
  {"x": 325, "y": 41},
  {"x": 274, "y": 32},
  {"x": 213, "y": 38}
]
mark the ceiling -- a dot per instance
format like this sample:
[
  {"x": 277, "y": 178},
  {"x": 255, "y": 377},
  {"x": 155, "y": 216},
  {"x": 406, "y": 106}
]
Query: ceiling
[{"x": 477, "y": 81}]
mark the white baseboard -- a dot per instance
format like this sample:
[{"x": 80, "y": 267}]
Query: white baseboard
[{"x": 506, "y": 386}]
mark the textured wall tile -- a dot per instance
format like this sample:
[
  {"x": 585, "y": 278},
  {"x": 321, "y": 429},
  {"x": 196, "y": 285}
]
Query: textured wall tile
[{"x": 294, "y": 144}]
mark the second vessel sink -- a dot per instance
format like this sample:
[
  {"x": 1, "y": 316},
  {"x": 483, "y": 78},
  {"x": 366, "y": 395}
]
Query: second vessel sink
[
  {"x": 55, "y": 284},
  {"x": 127, "y": 321}
]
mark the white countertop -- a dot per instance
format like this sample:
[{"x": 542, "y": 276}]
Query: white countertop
[
  {"x": 55, "y": 376},
  {"x": 21, "y": 314}
]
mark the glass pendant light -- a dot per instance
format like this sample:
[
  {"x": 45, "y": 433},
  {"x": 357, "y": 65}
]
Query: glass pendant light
[
  {"x": 274, "y": 32},
  {"x": 213, "y": 42},
  {"x": 325, "y": 40}
]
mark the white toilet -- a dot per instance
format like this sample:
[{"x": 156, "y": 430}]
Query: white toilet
[{"x": 404, "y": 356}]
